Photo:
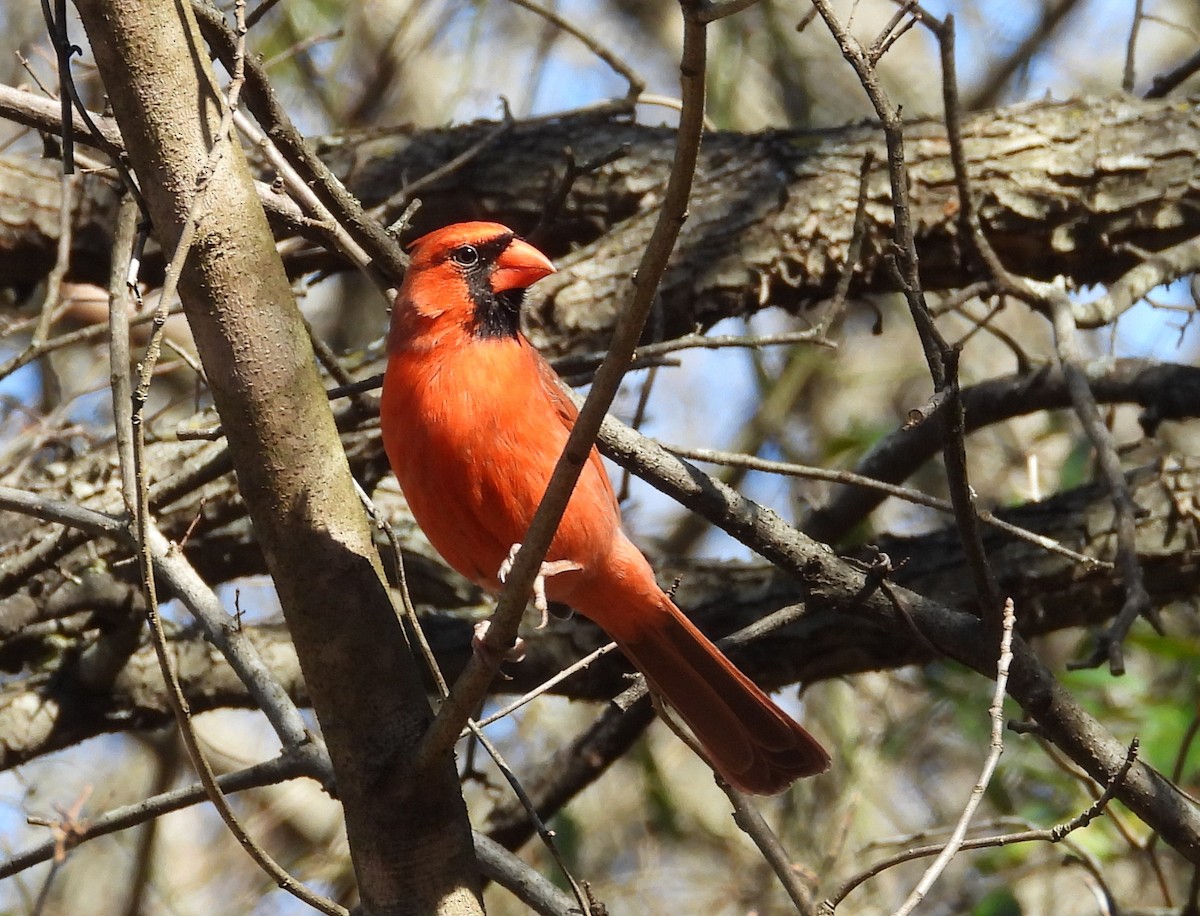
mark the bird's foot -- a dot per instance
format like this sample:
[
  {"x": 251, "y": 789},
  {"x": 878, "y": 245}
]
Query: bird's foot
[
  {"x": 551, "y": 568},
  {"x": 514, "y": 653}
]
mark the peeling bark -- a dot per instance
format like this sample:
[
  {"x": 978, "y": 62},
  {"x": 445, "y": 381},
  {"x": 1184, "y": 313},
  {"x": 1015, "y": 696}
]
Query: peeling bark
[{"x": 1076, "y": 189}]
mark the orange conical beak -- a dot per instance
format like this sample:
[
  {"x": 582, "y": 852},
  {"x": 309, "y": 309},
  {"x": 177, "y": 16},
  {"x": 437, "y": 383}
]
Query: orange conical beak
[{"x": 520, "y": 265}]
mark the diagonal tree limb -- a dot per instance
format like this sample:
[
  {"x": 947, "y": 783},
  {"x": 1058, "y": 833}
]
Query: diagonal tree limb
[{"x": 959, "y": 635}]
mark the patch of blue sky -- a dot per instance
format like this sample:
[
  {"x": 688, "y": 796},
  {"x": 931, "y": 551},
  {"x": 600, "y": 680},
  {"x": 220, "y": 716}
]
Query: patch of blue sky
[
  {"x": 989, "y": 32},
  {"x": 771, "y": 490},
  {"x": 702, "y": 403},
  {"x": 13, "y": 812},
  {"x": 571, "y": 80},
  {"x": 986, "y": 32},
  {"x": 23, "y": 385},
  {"x": 278, "y": 902},
  {"x": 1165, "y": 333},
  {"x": 92, "y": 409},
  {"x": 24, "y": 793},
  {"x": 569, "y": 77},
  {"x": 253, "y": 599}
]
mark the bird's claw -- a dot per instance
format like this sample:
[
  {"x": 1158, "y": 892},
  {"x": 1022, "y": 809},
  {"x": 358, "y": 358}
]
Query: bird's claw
[
  {"x": 514, "y": 653},
  {"x": 548, "y": 569}
]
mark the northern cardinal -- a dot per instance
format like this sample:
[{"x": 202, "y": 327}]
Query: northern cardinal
[{"x": 473, "y": 423}]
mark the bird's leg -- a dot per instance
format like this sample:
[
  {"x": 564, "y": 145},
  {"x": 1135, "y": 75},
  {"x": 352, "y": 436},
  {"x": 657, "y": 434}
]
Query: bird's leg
[
  {"x": 517, "y": 652},
  {"x": 552, "y": 568}
]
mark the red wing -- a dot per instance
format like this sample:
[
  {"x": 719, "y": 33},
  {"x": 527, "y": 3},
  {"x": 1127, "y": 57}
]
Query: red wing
[{"x": 567, "y": 413}]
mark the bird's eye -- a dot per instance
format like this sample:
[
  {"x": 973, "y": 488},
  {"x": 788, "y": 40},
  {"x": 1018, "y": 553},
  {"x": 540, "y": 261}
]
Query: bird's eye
[{"x": 465, "y": 255}]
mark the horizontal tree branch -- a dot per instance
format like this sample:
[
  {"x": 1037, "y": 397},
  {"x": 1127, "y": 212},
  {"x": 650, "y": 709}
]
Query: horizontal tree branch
[
  {"x": 1165, "y": 392},
  {"x": 39, "y": 716},
  {"x": 1080, "y": 189}
]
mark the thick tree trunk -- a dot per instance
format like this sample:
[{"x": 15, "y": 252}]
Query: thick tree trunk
[{"x": 412, "y": 846}]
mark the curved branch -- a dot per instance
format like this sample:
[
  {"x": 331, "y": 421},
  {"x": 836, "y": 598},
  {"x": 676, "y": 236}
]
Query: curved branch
[{"x": 1165, "y": 390}]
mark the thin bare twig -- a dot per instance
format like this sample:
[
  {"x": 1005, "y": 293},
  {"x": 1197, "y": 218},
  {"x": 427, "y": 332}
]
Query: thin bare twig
[
  {"x": 538, "y": 893},
  {"x": 405, "y": 195},
  {"x": 903, "y": 19},
  {"x": 583, "y": 364},
  {"x": 70, "y": 103},
  {"x": 749, "y": 820},
  {"x": 958, "y": 835},
  {"x": 545, "y": 687},
  {"x": 62, "y": 259},
  {"x": 544, "y": 833},
  {"x": 65, "y": 832},
  {"x": 712, "y": 10},
  {"x": 473, "y": 682},
  {"x": 89, "y": 334},
  {"x": 941, "y": 358},
  {"x": 618, "y": 66},
  {"x": 300, "y": 47},
  {"x": 408, "y": 610},
  {"x": 1056, "y": 834},
  {"x": 854, "y": 250},
  {"x": 1110, "y": 643},
  {"x": 849, "y": 478},
  {"x": 1129, "y": 77},
  {"x": 1165, "y": 82},
  {"x": 636, "y": 421},
  {"x": 56, "y": 26},
  {"x": 122, "y": 279},
  {"x": 256, "y": 14},
  {"x": 306, "y": 761}
]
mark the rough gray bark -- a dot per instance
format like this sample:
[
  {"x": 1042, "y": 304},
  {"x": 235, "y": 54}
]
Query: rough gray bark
[{"x": 1075, "y": 189}]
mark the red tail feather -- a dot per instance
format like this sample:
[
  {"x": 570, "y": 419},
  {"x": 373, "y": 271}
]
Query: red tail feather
[{"x": 750, "y": 741}]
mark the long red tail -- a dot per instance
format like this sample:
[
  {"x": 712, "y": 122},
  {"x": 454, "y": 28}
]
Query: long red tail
[{"x": 751, "y": 742}]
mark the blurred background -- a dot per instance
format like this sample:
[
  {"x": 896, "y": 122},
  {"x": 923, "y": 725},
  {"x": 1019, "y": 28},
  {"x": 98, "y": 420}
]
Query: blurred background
[{"x": 909, "y": 744}]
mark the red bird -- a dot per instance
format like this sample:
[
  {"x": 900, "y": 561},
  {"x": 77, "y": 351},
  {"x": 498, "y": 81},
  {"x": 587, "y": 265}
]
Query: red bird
[{"x": 473, "y": 423}]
